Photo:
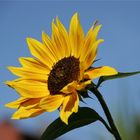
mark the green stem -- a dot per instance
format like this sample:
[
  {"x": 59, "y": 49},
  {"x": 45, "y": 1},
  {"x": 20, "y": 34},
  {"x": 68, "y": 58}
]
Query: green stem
[
  {"x": 115, "y": 132},
  {"x": 106, "y": 125}
]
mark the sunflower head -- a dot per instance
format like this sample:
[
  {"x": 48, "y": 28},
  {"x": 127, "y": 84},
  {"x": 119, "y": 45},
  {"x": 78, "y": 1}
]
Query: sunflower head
[
  {"x": 63, "y": 72},
  {"x": 59, "y": 69}
]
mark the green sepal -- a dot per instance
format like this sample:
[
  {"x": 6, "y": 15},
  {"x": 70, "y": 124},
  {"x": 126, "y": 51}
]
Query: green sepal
[
  {"x": 84, "y": 93},
  {"x": 81, "y": 99}
]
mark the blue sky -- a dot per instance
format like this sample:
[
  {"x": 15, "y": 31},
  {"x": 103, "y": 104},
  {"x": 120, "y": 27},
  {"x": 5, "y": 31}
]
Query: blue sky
[{"x": 121, "y": 49}]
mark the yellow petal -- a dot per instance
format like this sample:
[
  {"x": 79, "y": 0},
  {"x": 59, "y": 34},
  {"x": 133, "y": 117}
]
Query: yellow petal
[
  {"x": 29, "y": 88},
  {"x": 70, "y": 105},
  {"x": 52, "y": 102},
  {"x": 95, "y": 32},
  {"x": 38, "y": 50},
  {"x": 35, "y": 65},
  {"x": 82, "y": 85},
  {"x": 100, "y": 71},
  {"x": 28, "y": 73},
  {"x": 65, "y": 116},
  {"x": 23, "y": 113},
  {"x": 82, "y": 69},
  {"x": 76, "y": 35},
  {"x": 28, "y": 103},
  {"x": 92, "y": 53},
  {"x": 50, "y": 45},
  {"x": 31, "y": 103},
  {"x": 64, "y": 36},
  {"x": 90, "y": 39},
  {"x": 57, "y": 40},
  {"x": 69, "y": 88},
  {"x": 16, "y": 104}
]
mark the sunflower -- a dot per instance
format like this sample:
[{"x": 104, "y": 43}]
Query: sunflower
[{"x": 59, "y": 69}]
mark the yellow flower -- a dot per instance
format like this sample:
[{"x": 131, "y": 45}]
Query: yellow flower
[{"x": 60, "y": 67}]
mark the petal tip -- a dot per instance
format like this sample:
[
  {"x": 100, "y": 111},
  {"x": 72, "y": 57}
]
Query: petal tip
[
  {"x": 64, "y": 120},
  {"x": 10, "y": 68},
  {"x": 7, "y": 83},
  {"x": 102, "y": 40},
  {"x": 75, "y": 14},
  {"x": 44, "y": 35},
  {"x": 28, "y": 39},
  {"x": 15, "y": 118},
  {"x": 7, "y": 105}
]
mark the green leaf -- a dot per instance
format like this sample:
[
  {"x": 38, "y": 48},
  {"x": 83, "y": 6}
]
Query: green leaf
[
  {"x": 119, "y": 75},
  {"x": 57, "y": 128}
]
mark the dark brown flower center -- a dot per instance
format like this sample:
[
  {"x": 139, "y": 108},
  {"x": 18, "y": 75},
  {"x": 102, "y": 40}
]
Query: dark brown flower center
[{"x": 63, "y": 72}]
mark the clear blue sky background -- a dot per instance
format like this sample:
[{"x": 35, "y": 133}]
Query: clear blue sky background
[{"x": 121, "y": 49}]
